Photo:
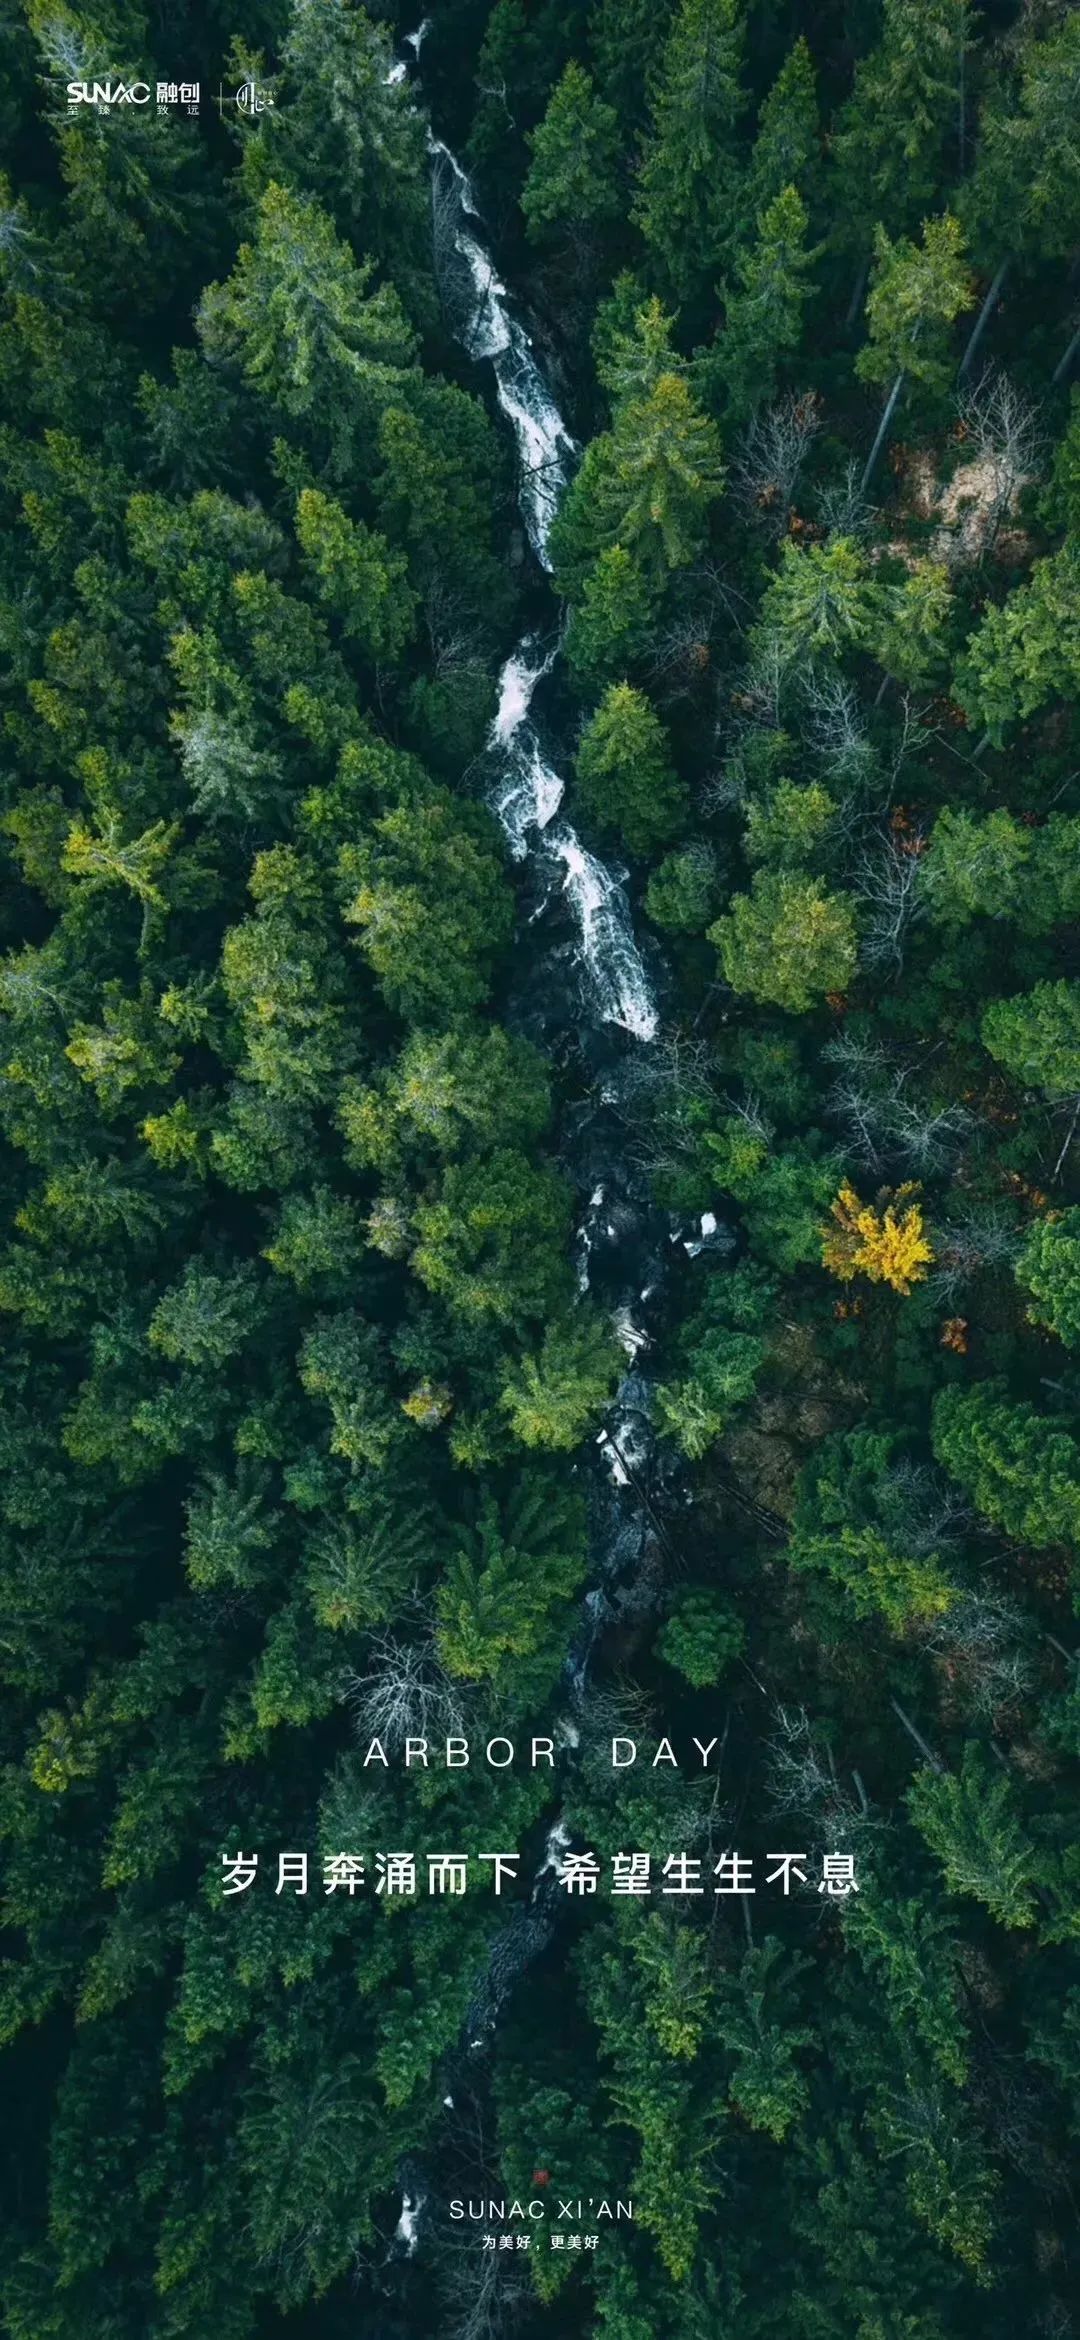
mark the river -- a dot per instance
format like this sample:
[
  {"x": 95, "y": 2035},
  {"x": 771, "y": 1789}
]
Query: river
[{"x": 605, "y": 1016}]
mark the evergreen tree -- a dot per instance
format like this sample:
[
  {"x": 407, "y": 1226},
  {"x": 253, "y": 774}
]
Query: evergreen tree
[
  {"x": 1036, "y": 1036},
  {"x": 1026, "y": 652},
  {"x": 645, "y": 486},
  {"x": 376, "y": 1377},
  {"x": 971, "y": 1823},
  {"x": 626, "y": 780},
  {"x": 787, "y": 941},
  {"x": 1020, "y": 1468},
  {"x": 763, "y": 321},
  {"x": 786, "y": 150},
  {"x": 572, "y": 185},
  {"x": 688, "y": 167},
  {"x": 1022, "y": 200},
  {"x": 914, "y": 300},
  {"x": 626, "y": 39},
  {"x": 343, "y": 131},
  {"x": 297, "y": 317},
  {"x": 1049, "y": 1268},
  {"x": 904, "y": 112}
]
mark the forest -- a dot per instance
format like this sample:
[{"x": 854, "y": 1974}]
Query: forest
[{"x": 540, "y": 1168}]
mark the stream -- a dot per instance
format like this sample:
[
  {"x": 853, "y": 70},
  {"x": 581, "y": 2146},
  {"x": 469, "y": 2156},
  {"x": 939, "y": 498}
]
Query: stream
[
  {"x": 528, "y": 791},
  {"x": 590, "y": 994}
]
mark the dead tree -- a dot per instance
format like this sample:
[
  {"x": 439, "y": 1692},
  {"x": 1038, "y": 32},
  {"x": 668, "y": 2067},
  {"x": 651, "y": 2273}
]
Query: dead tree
[
  {"x": 888, "y": 883},
  {"x": 766, "y": 469},
  {"x": 1006, "y": 438}
]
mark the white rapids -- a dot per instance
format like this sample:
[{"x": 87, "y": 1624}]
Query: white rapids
[
  {"x": 529, "y": 791},
  {"x": 607, "y": 940},
  {"x": 486, "y": 329},
  {"x": 526, "y": 797}
]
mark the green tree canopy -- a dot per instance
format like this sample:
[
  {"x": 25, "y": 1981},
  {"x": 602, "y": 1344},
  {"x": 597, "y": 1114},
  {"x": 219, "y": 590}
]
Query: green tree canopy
[{"x": 787, "y": 941}]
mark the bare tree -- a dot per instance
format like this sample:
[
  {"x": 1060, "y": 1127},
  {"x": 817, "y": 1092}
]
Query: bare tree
[
  {"x": 764, "y": 683},
  {"x": 858, "y": 1054},
  {"x": 1017, "y": 2110},
  {"x": 16, "y": 245},
  {"x": 722, "y": 598},
  {"x": 1007, "y": 441},
  {"x": 860, "y": 1118},
  {"x": 680, "y": 655},
  {"x": 486, "y": 2292},
  {"x": 706, "y": 602},
  {"x": 907, "y": 738},
  {"x": 986, "y": 1644},
  {"x": 837, "y": 730},
  {"x": 456, "y": 639},
  {"x": 802, "y": 1781},
  {"x": 926, "y": 1512},
  {"x": 725, "y": 790},
  {"x": 689, "y": 1801},
  {"x": 406, "y": 1693},
  {"x": 898, "y": 1130},
  {"x": 750, "y": 1111},
  {"x": 659, "y": 1088},
  {"x": 977, "y": 1236},
  {"x": 884, "y": 1117},
  {"x": 927, "y": 1137},
  {"x": 844, "y": 508},
  {"x": 887, "y": 882},
  {"x": 766, "y": 469}
]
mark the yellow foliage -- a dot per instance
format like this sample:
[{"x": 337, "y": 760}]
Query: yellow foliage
[{"x": 886, "y": 1242}]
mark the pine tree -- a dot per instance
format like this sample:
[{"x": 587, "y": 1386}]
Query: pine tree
[
  {"x": 1022, "y": 201},
  {"x": 298, "y": 318},
  {"x": 763, "y": 321},
  {"x": 626, "y": 780},
  {"x": 1049, "y": 1268},
  {"x": 787, "y": 148},
  {"x": 687, "y": 172},
  {"x": 342, "y": 131},
  {"x": 1021, "y": 1468},
  {"x": 906, "y": 109},
  {"x": 573, "y": 185},
  {"x": 1025, "y": 653},
  {"x": 971, "y": 1822},
  {"x": 915, "y": 298},
  {"x": 626, "y": 41}
]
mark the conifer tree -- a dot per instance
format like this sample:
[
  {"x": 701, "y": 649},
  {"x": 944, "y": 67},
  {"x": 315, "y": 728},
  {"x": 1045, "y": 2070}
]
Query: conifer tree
[{"x": 688, "y": 168}]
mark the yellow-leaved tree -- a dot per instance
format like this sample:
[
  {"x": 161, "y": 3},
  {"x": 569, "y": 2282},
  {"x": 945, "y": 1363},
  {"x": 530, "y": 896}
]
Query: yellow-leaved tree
[{"x": 884, "y": 1240}]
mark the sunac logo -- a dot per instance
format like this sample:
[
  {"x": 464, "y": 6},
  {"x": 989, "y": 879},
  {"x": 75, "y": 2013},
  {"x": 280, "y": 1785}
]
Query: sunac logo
[{"x": 108, "y": 93}]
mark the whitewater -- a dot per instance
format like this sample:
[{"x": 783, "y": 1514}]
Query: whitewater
[
  {"x": 528, "y": 790},
  {"x": 622, "y": 1241}
]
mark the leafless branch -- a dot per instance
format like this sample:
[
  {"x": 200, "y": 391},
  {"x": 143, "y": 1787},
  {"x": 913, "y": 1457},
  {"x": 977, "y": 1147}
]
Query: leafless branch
[
  {"x": 801, "y": 1780},
  {"x": 1007, "y": 443},
  {"x": 976, "y": 1237},
  {"x": 985, "y": 1643},
  {"x": 887, "y": 881},
  {"x": 844, "y": 508},
  {"x": 405, "y": 1693},
  {"x": 766, "y": 469}
]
